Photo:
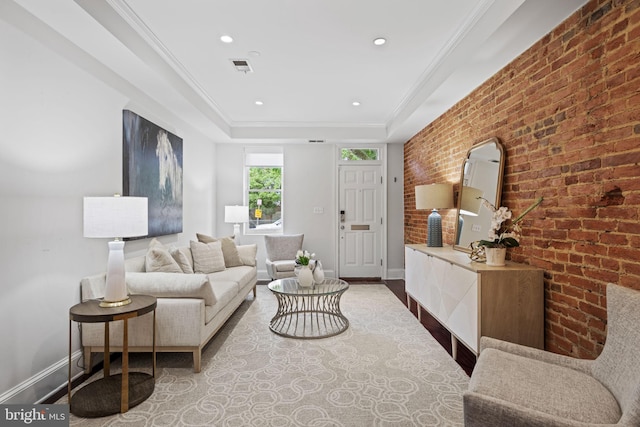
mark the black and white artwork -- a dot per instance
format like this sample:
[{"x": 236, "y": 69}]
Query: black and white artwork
[{"x": 152, "y": 168}]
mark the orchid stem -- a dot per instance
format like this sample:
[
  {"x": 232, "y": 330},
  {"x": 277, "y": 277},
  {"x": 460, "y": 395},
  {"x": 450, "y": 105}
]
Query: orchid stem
[{"x": 529, "y": 209}]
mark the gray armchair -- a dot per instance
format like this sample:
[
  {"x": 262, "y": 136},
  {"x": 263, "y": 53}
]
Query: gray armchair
[
  {"x": 281, "y": 254},
  {"x": 513, "y": 385}
]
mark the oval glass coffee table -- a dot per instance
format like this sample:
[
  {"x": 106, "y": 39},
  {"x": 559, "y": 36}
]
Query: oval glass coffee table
[{"x": 308, "y": 312}]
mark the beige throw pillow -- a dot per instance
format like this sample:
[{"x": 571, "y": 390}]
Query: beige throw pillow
[
  {"x": 183, "y": 257},
  {"x": 229, "y": 249},
  {"x": 248, "y": 254},
  {"x": 207, "y": 257},
  {"x": 158, "y": 259}
]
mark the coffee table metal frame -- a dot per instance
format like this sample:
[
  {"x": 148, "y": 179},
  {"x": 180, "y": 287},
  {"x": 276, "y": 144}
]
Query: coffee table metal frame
[{"x": 308, "y": 313}]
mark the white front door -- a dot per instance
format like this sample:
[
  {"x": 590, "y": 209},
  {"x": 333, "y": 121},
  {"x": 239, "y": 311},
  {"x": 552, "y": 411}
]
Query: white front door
[{"x": 360, "y": 218}]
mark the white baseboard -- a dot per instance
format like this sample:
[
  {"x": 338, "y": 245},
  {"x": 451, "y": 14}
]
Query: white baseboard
[
  {"x": 45, "y": 383},
  {"x": 395, "y": 273}
]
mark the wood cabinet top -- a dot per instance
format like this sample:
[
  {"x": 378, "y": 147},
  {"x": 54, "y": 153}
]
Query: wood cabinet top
[{"x": 462, "y": 259}]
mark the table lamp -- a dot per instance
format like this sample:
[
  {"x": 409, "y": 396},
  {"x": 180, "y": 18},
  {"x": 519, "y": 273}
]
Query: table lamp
[
  {"x": 236, "y": 215},
  {"x": 434, "y": 197},
  {"x": 470, "y": 201},
  {"x": 115, "y": 217}
]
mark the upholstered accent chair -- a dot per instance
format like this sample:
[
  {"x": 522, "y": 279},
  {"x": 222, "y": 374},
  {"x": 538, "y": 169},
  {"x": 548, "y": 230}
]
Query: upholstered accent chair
[
  {"x": 513, "y": 385},
  {"x": 281, "y": 254}
]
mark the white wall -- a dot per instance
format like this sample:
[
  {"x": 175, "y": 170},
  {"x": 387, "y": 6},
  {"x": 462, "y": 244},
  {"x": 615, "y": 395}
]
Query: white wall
[
  {"x": 395, "y": 211},
  {"x": 310, "y": 175},
  {"x": 61, "y": 139},
  {"x": 309, "y": 181}
]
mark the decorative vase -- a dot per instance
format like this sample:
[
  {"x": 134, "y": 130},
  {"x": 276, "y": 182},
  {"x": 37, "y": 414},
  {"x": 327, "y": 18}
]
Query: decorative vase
[
  {"x": 495, "y": 256},
  {"x": 305, "y": 276},
  {"x": 318, "y": 273}
]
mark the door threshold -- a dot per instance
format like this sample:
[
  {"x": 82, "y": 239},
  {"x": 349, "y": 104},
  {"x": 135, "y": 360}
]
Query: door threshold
[{"x": 363, "y": 280}]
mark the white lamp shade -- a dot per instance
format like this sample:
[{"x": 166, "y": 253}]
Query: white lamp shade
[
  {"x": 236, "y": 214},
  {"x": 109, "y": 217},
  {"x": 470, "y": 201},
  {"x": 434, "y": 196}
]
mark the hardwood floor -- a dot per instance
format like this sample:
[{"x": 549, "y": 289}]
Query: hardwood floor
[{"x": 466, "y": 359}]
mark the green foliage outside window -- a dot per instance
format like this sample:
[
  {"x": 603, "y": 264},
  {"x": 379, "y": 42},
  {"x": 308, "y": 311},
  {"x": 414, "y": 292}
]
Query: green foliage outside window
[
  {"x": 265, "y": 184},
  {"x": 359, "y": 154}
]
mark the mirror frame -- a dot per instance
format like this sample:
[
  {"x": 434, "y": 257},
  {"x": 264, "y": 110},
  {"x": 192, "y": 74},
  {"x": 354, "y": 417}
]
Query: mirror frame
[{"x": 495, "y": 141}]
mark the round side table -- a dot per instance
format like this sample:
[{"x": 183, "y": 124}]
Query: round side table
[{"x": 113, "y": 394}]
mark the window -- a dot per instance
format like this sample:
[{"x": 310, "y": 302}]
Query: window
[
  {"x": 359, "y": 154},
  {"x": 263, "y": 183}
]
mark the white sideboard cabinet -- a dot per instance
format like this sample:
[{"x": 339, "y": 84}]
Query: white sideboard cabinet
[{"x": 472, "y": 299}]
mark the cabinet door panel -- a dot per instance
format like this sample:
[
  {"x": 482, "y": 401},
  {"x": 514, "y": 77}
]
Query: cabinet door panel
[
  {"x": 417, "y": 271},
  {"x": 436, "y": 280},
  {"x": 463, "y": 321},
  {"x": 457, "y": 285},
  {"x": 411, "y": 260}
]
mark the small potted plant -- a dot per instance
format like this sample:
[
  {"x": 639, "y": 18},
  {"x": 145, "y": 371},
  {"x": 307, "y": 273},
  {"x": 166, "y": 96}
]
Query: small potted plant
[{"x": 303, "y": 269}]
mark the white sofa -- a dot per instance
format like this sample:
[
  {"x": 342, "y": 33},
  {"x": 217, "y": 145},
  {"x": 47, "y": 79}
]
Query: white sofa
[{"x": 194, "y": 300}]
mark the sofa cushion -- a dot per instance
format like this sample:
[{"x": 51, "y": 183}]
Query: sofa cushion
[
  {"x": 158, "y": 259},
  {"x": 241, "y": 275},
  {"x": 247, "y": 254},
  {"x": 184, "y": 259},
  {"x": 229, "y": 249},
  {"x": 284, "y": 265},
  {"x": 207, "y": 257},
  {"x": 171, "y": 285},
  {"x": 224, "y": 292}
]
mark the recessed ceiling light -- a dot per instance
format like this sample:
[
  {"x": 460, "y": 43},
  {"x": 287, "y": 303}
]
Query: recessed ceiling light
[
  {"x": 379, "y": 41},
  {"x": 356, "y": 103},
  {"x": 259, "y": 103},
  {"x": 226, "y": 39}
]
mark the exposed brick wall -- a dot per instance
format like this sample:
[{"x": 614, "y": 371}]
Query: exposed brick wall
[{"x": 568, "y": 113}]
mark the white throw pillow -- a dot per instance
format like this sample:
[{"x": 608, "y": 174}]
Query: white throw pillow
[
  {"x": 158, "y": 259},
  {"x": 229, "y": 249},
  {"x": 207, "y": 257},
  {"x": 247, "y": 254},
  {"x": 183, "y": 258}
]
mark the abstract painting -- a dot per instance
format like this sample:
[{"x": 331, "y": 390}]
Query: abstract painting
[{"x": 152, "y": 168}]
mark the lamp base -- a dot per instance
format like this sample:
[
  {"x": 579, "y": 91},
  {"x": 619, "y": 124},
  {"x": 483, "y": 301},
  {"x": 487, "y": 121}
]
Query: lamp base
[
  {"x": 434, "y": 230},
  {"x": 115, "y": 291},
  {"x": 111, "y": 304},
  {"x": 236, "y": 233}
]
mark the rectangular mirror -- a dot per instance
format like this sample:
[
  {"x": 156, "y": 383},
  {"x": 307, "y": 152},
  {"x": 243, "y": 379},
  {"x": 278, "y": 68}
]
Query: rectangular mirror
[{"x": 481, "y": 176}]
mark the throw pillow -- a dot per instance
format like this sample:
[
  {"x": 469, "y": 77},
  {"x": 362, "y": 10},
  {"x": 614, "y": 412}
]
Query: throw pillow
[
  {"x": 182, "y": 255},
  {"x": 229, "y": 249},
  {"x": 248, "y": 254},
  {"x": 207, "y": 257},
  {"x": 158, "y": 259}
]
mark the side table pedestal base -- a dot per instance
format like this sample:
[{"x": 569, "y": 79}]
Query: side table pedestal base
[{"x": 102, "y": 397}]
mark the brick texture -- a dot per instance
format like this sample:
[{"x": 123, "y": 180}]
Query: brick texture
[{"x": 568, "y": 113}]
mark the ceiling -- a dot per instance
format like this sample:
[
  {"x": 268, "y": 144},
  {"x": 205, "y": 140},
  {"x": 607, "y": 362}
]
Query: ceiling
[{"x": 310, "y": 59}]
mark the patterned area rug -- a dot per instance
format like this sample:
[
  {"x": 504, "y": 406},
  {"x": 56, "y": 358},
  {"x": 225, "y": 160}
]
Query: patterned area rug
[{"x": 385, "y": 370}]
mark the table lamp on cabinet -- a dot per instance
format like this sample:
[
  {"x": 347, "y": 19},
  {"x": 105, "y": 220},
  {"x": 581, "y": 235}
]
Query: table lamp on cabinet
[{"x": 434, "y": 197}]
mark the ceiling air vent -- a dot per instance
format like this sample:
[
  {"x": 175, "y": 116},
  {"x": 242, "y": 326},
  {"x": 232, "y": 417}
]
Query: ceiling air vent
[
  {"x": 316, "y": 141},
  {"x": 242, "y": 65}
]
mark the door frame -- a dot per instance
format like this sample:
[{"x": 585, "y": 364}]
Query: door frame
[{"x": 382, "y": 162}]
